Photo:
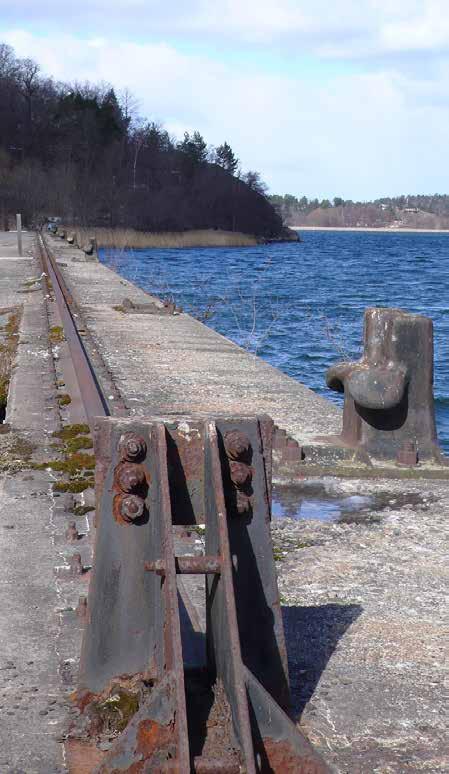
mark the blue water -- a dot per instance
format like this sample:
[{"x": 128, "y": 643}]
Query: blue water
[{"x": 300, "y": 306}]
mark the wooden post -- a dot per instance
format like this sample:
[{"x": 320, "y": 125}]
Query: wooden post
[{"x": 19, "y": 233}]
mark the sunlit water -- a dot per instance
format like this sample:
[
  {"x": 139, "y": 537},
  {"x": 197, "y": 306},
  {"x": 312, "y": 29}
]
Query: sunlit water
[{"x": 300, "y": 306}]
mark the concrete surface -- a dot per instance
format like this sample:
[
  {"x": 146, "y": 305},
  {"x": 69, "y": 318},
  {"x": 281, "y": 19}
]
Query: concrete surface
[
  {"x": 39, "y": 637},
  {"x": 364, "y": 600},
  {"x": 174, "y": 364},
  {"x": 367, "y": 625}
]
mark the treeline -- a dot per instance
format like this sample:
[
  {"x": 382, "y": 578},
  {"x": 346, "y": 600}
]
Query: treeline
[
  {"x": 418, "y": 211},
  {"x": 81, "y": 151}
]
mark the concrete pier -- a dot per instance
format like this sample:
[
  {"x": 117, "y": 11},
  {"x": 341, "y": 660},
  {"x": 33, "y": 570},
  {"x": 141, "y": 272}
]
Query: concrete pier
[
  {"x": 173, "y": 364},
  {"x": 367, "y": 630}
]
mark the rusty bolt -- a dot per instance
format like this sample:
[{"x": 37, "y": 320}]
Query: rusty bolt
[
  {"x": 241, "y": 474},
  {"x": 131, "y": 508},
  {"x": 132, "y": 447},
  {"x": 237, "y": 445},
  {"x": 243, "y": 502},
  {"x": 76, "y": 566},
  {"x": 130, "y": 477},
  {"x": 81, "y": 610},
  {"x": 407, "y": 454},
  {"x": 72, "y": 533}
]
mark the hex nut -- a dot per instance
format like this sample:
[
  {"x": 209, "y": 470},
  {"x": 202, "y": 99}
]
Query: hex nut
[
  {"x": 241, "y": 474},
  {"x": 237, "y": 445},
  {"x": 132, "y": 447},
  {"x": 129, "y": 477},
  {"x": 131, "y": 508}
]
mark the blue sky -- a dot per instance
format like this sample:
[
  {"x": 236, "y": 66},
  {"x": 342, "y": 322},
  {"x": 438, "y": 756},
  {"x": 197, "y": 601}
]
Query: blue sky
[{"x": 325, "y": 99}]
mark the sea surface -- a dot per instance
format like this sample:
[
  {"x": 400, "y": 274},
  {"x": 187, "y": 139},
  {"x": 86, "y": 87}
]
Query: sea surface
[{"x": 300, "y": 305}]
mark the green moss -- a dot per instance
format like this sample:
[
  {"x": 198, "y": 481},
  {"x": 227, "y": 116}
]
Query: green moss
[
  {"x": 64, "y": 399},
  {"x": 75, "y": 444},
  {"x": 75, "y": 486},
  {"x": 119, "y": 308},
  {"x": 115, "y": 712},
  {"x": 71, "y": 431},
  {"x": 56, "y": 334},
  {"x": 81, "y": 510},
  {"x": 73, "y": 465},
  {"x": 76, "y": 464},
  {"x": 277, "y": 554}
]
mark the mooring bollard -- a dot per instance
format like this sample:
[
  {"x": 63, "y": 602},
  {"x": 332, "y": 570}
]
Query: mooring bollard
[
  {"x": 389, "y": 408},
  {"x": 153, "y": 475}
]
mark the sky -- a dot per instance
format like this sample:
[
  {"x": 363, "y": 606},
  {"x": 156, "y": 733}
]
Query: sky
[{"x": 322, "y": 98}]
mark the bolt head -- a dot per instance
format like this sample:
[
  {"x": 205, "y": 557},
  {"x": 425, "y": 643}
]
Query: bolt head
[
  {"x": 237, "y": 445},
  {"x": 129, "y": 477},
  {"x": 132, "y": 447},
  {"x": 241, "y": 474},
  {"x": 131, "y": 508},
  {"x": 243, "y": 503}
]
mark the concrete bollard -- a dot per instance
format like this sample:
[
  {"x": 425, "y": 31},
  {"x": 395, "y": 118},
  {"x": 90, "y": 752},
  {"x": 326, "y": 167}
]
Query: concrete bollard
[
  {"x": 389, "y": 407},
  {"x": 91, "y": 247}
]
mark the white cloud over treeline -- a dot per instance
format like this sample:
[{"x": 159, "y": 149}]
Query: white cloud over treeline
[{"x": 377, "y": 125}]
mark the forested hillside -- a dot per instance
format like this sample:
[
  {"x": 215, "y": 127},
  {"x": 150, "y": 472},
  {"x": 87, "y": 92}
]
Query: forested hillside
[{"x": 80, "y": 151}]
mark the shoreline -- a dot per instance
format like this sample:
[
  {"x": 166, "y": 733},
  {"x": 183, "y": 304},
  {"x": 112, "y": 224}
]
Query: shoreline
[{"x": 382, "y": 229}]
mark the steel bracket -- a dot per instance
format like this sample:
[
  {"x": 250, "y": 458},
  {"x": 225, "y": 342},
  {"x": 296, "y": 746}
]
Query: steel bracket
[{"x": 230, "y": 713}]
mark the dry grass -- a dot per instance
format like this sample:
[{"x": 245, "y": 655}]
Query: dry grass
[{"x": 129, "y": 238}]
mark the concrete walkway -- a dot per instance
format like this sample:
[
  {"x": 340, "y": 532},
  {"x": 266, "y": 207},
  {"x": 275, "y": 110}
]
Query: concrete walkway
[
  {"x": 175, "y": 364},
  {"x": 33, "y": 704},
  {"x": 366, "y": 627}
]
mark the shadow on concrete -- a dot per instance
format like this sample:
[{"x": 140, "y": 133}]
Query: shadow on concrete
[{"x": 312, "y": 634}]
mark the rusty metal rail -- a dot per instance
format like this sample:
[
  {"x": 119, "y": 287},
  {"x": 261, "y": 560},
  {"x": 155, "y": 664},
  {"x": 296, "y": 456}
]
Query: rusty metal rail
[{"x": 94, "y": 402}]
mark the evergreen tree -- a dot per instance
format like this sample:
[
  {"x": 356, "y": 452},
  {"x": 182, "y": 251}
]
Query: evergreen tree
[{"x": 225, "y": 157}]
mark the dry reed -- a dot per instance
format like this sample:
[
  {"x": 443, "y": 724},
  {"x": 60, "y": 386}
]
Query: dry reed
[{"x": 121, "y": 238}]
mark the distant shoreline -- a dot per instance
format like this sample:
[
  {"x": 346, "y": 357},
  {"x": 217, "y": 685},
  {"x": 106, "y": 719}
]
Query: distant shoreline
[{"x": 383, "y": 229}]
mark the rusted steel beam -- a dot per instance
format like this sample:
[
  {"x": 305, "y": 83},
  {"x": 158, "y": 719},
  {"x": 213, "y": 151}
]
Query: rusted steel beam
[
  {"x": 389, "y": 407},
  {"x": 229, "y": 715}
]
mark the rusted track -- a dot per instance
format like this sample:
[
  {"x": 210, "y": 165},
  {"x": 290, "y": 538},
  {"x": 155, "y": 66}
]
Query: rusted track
[{"x": 94, "y": 402}]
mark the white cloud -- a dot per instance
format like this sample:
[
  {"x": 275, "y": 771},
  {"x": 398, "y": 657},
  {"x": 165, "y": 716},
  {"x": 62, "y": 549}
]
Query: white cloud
[
  {"x": 349, "y": 28},
  {"x": 357, "y": 135}
]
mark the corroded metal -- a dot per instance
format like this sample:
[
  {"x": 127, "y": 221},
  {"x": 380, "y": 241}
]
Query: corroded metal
[
  {"x": 132, "y": 447},
  {"x": 389, "y": 391},
  {"x": 128, "y": 507},
  {"x": 129, "y": 478},
  {"x": 95, "y": 403},
  {"x": 237, "y": 445},
  {"x": 133, "y": 629},
  {"x": 188, "y": 565}
]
